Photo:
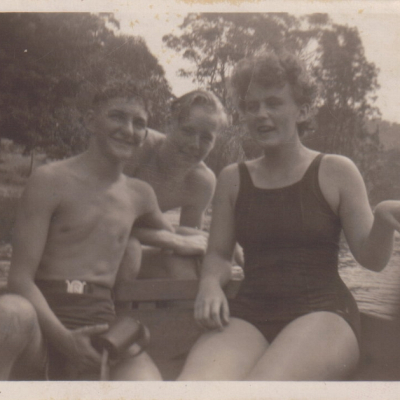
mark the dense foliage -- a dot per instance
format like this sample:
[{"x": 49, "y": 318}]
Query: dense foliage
[
  {"x": 49, "y": 66},
  {"x": 334, "y": 53}
]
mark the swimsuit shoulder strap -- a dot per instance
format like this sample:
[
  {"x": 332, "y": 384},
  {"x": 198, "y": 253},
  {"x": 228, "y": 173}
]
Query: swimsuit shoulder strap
[
  {"x": 311, "y": 174},
  {"x": 245, "y": 178}
]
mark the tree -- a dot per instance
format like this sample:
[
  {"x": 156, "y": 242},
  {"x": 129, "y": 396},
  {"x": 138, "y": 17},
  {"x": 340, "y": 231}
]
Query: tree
[
  {"x": 334, "y": 53},
  {"x": 215, "y": 42},
  {"x": 50, "y": 64}
]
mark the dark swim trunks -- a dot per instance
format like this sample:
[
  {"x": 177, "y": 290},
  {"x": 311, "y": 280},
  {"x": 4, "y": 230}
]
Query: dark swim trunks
[
  {"x": 75, "y": 310},
  {"x": 290, "y": 238}
]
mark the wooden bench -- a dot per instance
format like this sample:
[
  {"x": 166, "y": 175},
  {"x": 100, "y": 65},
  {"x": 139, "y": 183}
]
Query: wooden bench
[{"x": 166, "y": 307}]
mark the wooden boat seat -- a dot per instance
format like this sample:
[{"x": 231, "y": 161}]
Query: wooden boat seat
[{"x": 166, "y": 307}]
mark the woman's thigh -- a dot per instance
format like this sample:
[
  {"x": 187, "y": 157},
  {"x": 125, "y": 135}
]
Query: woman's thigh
[
  {"x": 316, "y": 346},
  {"x": 225, "y": 355}
]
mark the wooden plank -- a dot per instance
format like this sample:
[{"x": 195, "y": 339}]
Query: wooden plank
[{"x": 165, "y": 289}]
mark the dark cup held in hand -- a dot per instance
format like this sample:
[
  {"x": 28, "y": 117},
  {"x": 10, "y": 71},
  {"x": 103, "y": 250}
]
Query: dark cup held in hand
[{"x": 124, "y": 331}]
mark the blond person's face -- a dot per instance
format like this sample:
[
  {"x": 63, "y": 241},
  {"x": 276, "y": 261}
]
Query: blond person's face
[
  {"x": 119, "y": 126},
  {"x": 271, "y": 115},
  {"x": 195, "y": 136}
]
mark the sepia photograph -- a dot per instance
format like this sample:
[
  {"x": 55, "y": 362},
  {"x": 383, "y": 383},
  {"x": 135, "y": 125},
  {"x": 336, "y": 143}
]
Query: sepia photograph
[{"x": 199, "y": 200}]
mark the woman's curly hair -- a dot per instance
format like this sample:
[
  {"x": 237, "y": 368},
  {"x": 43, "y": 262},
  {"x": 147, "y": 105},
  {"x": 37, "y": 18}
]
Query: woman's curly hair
[{"x": 273, "y": 69}]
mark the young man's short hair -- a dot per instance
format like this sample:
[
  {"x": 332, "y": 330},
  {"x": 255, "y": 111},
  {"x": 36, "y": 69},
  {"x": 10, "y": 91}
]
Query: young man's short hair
[
  {"x": 181, "y": 107},
  {"x": 119, "y": 88}
]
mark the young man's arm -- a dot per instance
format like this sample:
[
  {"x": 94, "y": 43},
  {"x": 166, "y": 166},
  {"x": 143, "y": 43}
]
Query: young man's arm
[
  {"x": 153, "y": 229},
  {"x": 37, "y": 207}
]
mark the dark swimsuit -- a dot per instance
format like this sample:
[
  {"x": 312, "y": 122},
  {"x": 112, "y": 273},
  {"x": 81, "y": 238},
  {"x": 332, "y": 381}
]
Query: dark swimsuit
[
  {"x": 75, "y": 310},
  {"x": 290, "y": 237}
]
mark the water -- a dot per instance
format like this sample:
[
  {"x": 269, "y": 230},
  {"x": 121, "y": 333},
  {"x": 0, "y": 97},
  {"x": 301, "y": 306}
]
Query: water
[{"x": 376, "y": 293}]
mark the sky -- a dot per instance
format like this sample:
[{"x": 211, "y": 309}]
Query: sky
[{"x": 379, "y": 32}]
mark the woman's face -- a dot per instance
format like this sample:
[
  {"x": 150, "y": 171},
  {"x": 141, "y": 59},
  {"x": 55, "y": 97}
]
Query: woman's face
[
  {"x": 194, "y": 137},
  {"x": 271, "y": 115}
]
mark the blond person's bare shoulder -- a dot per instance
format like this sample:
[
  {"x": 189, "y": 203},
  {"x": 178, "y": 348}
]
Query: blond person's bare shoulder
[
  {"x": 148, "y": 150},
  {"x": 201, "y": 178}
]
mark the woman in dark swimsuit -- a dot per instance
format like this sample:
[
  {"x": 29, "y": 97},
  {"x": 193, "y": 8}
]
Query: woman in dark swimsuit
[{"x": 293, "y": 319}]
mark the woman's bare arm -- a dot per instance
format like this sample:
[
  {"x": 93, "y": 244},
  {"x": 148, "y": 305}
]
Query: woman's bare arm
[
  {"x": 370, "y": 237},
  {"x": 211, "y": 307}
]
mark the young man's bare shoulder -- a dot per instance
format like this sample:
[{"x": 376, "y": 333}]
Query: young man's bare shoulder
[
  {"x": 139, "y": 190},
  {"x": 52, "y": 173},
  {"x": 48, "y": 184}
]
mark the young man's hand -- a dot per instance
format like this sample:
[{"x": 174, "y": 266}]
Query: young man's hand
[{"x": 82, "y": 353}]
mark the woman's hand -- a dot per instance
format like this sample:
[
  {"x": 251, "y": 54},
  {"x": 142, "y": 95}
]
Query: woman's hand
[
  {"x": 388, "y": 212},
  {"x": 211, "y": 309}
]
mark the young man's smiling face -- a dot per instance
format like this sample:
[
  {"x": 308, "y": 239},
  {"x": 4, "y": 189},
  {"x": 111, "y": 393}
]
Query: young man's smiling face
[
  {"x": 119, "y": 126},
  {"x": 195, "y": 136}
]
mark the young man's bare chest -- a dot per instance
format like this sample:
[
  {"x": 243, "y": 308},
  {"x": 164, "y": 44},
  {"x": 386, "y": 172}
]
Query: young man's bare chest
[{"x": 92, "y": 214}]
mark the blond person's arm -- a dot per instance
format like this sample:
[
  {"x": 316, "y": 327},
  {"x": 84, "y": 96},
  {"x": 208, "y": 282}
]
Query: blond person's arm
[
  {"x": 201, "y": 188},
  {"x": 153, "y": 229},
  {"x": 188, "y": 245}
]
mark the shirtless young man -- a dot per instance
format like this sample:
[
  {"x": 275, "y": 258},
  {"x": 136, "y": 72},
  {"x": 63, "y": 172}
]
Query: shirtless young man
[
  {"x": 173, "y": 165},
  {"x": 73, "y": 225}
]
